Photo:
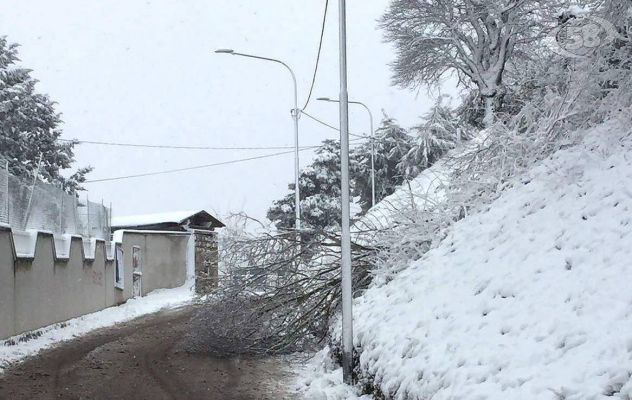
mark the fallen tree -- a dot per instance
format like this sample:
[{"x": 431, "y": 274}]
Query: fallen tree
[{"x": 277, "y": 292}]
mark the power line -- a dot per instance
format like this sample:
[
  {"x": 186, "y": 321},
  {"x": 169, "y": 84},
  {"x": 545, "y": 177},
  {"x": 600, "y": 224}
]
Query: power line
[
  {"x": 177, "y": 147},
  {"x": 170, "y": 171},
  {"x": 320, "y": 47},
  {"x": 331, "y": 126}
]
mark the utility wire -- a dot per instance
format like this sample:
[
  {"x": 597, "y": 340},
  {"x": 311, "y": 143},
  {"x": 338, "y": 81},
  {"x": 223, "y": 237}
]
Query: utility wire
[
  {"x": 320, "y": 48},
  {"x": 156, "y": 146},
  {"x": 170, "y": 171},
  {"x": 331, "y": 126}
]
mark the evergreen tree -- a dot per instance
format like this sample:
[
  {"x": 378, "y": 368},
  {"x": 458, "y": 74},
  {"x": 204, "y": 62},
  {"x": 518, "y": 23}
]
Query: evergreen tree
[
  {"x": 319, "y": 190},
  {"x": 30, "y": 126},
  {"x": 438, "y": 133},
  {"x": 392, "y": 143}
]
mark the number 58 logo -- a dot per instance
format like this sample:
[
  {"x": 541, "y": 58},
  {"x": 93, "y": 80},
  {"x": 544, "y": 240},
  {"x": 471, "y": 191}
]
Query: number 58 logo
[{"x": 579, "y": 37}]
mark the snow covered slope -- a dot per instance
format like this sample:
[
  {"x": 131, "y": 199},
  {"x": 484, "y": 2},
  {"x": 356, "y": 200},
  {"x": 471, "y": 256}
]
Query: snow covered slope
[
  {"x": 530, "y": 300},
  {"x": 423, "y": 192}
]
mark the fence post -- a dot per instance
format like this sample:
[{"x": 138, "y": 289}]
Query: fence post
[
  {"x": 4, "y": 195},
  {"x": 61, "y": 213},
  {"x": 103, "y": 221},
  {"x": 110, "y": 222},
  {"x": 89, "y": 227},
  {"x": 7, "y": 192},
  {"x": 28, "y": 207}
]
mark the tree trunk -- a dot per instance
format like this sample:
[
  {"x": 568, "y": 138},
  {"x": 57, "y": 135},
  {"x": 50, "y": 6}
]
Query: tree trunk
[{"x": 488, "y": 121}]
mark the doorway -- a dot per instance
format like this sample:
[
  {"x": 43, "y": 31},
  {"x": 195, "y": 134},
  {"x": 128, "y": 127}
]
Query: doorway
[{"x": 137, "y": 271}]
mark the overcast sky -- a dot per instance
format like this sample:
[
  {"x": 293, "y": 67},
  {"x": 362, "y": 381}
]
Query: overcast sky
[{"x": 143, "y": 72}]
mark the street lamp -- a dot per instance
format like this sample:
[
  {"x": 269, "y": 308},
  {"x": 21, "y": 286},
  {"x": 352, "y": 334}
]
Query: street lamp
[
  {"x": 372, "y": 142},
  {"x": 295, "y": 116},
  {"x": 345, "y": 234}
]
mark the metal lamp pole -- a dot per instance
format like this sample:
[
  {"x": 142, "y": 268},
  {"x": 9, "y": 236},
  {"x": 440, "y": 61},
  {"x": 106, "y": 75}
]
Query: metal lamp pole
[
  {"x": 372, "y": 142},
  {"x": 347, "y": 294},
  {"x": 295, "y": 117}
]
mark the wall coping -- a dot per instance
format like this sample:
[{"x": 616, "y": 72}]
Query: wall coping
[
  {"x": 117, "y": 236},
  {"x": 24, "y": 245}
]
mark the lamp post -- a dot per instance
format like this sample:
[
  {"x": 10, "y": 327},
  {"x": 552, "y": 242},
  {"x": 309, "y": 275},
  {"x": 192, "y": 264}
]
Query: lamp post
[
  {"x": 372, "y": 142},
  {"x": 345, "y": 256},
  {"x": 295, "y": 117}
]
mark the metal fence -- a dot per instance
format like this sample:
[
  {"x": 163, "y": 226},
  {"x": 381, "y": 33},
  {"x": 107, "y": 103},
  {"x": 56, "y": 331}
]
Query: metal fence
[
  {"x": 33, "y": 204},
  {"x": 4, "y": 191}
]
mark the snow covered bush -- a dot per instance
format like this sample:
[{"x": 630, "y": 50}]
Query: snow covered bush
[{"x": 438, "y": 133}]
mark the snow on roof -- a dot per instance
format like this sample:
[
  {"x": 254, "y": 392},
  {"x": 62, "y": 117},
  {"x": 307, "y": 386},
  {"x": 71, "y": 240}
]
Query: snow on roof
[{"x": 175, "y": 217}]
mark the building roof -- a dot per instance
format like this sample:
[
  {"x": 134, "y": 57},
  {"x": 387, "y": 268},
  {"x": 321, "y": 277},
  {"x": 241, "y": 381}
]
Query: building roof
[{"x": 194, "y": 219}]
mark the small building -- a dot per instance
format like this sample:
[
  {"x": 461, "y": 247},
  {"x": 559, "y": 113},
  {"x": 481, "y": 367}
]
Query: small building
[
  {"x": 200, "y": 224},
  {"x": 181, "y": 221}
]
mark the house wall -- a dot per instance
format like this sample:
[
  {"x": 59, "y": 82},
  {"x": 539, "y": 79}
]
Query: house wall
[
  {"x": 164, "y": 258},
  {"x": 46, "y": 279}
]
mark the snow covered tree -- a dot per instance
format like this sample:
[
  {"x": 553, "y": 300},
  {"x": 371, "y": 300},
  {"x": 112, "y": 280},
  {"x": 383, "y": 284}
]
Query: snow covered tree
[
  {"x": 438, "y": 133},
  {"x": 30, "y": 126},
  {"x": 392, "y": 143},
  {"x": 473, "y": 38},
  {"x": 320, "y": 192}
]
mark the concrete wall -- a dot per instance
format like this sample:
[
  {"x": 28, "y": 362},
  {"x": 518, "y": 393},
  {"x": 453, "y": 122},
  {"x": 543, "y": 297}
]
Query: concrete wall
[
  {"x": 7, "y": 305},
  {"x": 164, "y": 258},
  {"x": 51, "y": 284},
  {"x": 46, "y": 279}
]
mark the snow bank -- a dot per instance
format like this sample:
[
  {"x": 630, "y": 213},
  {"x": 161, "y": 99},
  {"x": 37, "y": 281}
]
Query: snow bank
[
  {"x": 28, "y": 344},
  {"x": 530, "y": 300},
  {"x": 321, "y": 379}
]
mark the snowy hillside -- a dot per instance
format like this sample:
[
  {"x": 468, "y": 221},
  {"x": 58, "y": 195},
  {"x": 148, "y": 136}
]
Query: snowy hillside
[
  {"x": 530, "y": 300},
  {"x": 422, "y": 192}
]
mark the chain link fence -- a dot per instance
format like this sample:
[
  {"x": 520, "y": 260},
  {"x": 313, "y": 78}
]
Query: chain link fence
[{"x": 33, "y": 204}]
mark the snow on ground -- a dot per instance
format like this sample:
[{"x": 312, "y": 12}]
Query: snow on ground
[
  {"x": 422, "y": 192},
  {"x": 28, "y": 344},
  {"x": 530, "y": 300},
  {"x": 321, "y": 379}
]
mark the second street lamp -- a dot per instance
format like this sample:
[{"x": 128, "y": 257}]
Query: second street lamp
[
  {"x": 372, "y": 142},
  {"x": 295, "y": 117}
]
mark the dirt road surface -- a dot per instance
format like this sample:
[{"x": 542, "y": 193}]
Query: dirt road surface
[{"x": 142, "y": 360}]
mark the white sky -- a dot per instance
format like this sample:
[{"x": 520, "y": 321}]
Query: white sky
[{"x": 143, "y": 72}]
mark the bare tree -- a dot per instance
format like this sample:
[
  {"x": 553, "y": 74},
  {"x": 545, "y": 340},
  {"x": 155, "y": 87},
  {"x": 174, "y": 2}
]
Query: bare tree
[{"x": 474, "y": 38}]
